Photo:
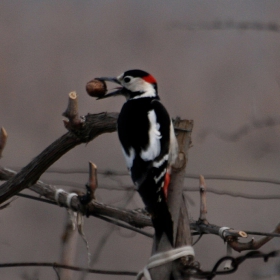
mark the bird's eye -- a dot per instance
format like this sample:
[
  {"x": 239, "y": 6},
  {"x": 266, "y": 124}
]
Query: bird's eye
[{"x": 126, "y": 80}]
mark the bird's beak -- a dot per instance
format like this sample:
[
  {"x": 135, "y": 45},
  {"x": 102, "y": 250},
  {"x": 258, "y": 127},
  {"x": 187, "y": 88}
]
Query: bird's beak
[{"x": 118, "y": 91}]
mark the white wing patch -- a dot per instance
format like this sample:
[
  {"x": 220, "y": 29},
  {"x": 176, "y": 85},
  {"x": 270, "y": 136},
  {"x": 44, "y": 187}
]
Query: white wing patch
[
  {"x": 153, "y": 149},
  {"x": 129, "y": 157}
]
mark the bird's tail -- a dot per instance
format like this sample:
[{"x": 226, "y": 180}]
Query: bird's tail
[
  {"x": 155, "y": 201},
  {"x": 162, "y": 221}
]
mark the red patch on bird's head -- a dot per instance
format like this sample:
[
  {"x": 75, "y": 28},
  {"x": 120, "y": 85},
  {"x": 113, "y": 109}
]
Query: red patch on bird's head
[{"x": 150, "y": 79}]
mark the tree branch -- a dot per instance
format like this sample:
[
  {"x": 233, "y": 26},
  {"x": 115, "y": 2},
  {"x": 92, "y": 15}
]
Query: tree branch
[
  {"x": 176, "y": 205},
  {"x": 132, "y": 217},
  {"x": 93, "y": 126},
  {"x": 138, "y": 219},
  {"x": 253, "y": 244}
]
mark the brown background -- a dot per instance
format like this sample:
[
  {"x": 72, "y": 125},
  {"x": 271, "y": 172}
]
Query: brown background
[{"x": 222, "y": 79}]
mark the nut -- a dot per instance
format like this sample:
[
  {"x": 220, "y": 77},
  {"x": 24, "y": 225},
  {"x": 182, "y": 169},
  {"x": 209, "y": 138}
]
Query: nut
[{"x": 96, "y": 88}]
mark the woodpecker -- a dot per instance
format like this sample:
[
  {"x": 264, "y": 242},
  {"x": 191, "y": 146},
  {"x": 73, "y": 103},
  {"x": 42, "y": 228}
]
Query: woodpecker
[{"x": 148, "y": 143}]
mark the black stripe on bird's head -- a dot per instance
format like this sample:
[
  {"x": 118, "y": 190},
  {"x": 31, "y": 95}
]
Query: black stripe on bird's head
[{"x": 134, "y": 84}]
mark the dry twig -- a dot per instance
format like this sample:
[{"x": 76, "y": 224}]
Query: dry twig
[
  {"x": 92, "y": 182},
  {"x": 203, "y": 205}
]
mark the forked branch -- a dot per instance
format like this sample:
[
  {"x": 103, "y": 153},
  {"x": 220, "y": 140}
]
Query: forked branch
[{"x": 82, "y": 130}]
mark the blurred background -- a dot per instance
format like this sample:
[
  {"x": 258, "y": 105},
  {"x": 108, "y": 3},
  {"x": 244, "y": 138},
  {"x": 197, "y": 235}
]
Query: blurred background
[{"x": 216, "y": 62}]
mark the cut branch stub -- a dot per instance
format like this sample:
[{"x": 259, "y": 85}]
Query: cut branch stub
[
  {"x": 3, "y": 140},
  {"x": 92, "y": 182},
  {"x": 91, "y": 186},
  {"x": 72, "y": 113}
]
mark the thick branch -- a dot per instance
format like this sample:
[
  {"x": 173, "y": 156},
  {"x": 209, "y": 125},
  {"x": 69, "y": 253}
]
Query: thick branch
[
  {"x": 179, "y": 213},
  {"x": 94, "y": 125},
  {"x": 94, "y": 208},
  {"x": 175, "y": 197},
  {"x": 131, "y": 217},
  {"x": 213, "y": 229}
]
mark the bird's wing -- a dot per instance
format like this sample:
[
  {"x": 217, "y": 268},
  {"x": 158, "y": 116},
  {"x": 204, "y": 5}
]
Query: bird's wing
[{"x": 159, "y": 134}]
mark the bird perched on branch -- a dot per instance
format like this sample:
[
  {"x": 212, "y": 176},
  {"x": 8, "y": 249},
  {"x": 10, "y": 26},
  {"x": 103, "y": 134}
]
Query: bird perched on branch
[{"x": 148, "y": 142}]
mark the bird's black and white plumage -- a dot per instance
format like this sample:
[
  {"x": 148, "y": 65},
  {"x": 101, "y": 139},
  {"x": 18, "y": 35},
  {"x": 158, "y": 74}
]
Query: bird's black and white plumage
[{"x": 148, "y": 142}]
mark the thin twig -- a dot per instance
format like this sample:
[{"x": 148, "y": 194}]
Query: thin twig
[
  {"x": 120, "y": 224},
  {"x": 76, "y": 268},
  {"x": 203, "y": 205},
  {"x": 134, "y": 218},
  {"x": 110, "y": 172},
  {"x": 104, "y": 239},
  {"x": 195, "y": 272}
]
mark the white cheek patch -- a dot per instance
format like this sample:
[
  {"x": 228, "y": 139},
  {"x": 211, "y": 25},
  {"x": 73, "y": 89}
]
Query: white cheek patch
[
  {"x": 149, "y": 93},
  {"x": 139, "y": 85},
  {"x": 153, "y": 149},
  {"x": 129, "y": 157}
]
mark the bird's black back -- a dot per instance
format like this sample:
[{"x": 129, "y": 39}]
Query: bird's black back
[{"x": 133, "y": 131}]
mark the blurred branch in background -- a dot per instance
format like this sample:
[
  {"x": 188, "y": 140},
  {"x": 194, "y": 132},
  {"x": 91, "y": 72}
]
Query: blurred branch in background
[
  {"x": 241, "y": 131},
  {"x": 48, "y": 191},
  {"x": 196, "y": 273},
  {"x": 226, "y": 25},
  {"x": 55, "y": 265},
  {"x": 124, "y": 187}
]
